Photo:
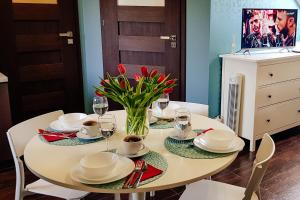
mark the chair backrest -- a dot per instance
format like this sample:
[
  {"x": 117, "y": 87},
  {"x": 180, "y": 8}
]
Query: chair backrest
[
  {"x": 197, "y": 108},
  {"x": 20, "y": 134},
  {"x": 263, "y": 156}
]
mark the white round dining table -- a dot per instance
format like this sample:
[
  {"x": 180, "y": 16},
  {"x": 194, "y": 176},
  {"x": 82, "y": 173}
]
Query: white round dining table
[{"x": 53, "y": 163}]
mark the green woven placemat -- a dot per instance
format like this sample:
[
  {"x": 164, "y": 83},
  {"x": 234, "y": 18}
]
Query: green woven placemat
[
  {"x": 153, "y": 158},
  {"x": 162, "y": 124},
  {"x": 68, "y": 142},
  {"x": 185, "y": 148}
]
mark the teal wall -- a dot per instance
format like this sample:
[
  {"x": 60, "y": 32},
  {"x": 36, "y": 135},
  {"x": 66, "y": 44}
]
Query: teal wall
[
  {"x": 91, "y": 48},
  {"x": 225, "y": 22},
  {"x": 197, "y": 45}
]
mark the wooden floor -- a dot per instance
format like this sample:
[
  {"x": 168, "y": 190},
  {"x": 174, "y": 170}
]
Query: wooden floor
[{"x": 281, "y": 182}]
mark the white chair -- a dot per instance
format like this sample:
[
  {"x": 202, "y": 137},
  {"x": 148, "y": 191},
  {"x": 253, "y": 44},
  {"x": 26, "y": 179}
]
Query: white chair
[
  {"x": 197, "y": 108},
  {"x": 18, "y": 136},
  {"x": 208, "y": 190}
]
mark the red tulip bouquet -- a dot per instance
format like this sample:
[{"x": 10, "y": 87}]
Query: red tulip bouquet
[{"x": 136, "y": 99}]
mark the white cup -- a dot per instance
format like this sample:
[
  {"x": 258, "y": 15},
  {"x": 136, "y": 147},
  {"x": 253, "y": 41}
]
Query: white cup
[
  {"x": 132, "y": 144},
  {"x": 90, "y": 128}
]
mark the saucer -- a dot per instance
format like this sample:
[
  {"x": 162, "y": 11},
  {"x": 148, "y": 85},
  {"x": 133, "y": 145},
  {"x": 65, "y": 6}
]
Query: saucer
[
  {"x": 169, "y": 112},
  {"x": 142, "y": 152},
  {"x": 83, "y": 136},
  {"x": 191, "y": 135},
  {"x": 124, "y": 167},
  {"x": 152, "y": 120},
  {"x": 58, "y": 126},
  {"x": 236, "y": 145}
]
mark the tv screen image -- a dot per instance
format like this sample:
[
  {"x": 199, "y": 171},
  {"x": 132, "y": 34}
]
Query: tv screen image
[{"x": 269, "y": 28}]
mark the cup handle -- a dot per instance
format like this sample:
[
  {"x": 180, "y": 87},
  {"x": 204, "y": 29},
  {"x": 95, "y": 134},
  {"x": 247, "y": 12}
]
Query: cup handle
[
  {"x": 142, "y": 147},
  {"x": 83, "y": 132}
]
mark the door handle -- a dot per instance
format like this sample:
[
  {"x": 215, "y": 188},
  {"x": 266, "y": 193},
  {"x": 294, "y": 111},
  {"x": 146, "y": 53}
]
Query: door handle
[
  {"x": 171, "y": 37},
  {"x": 66, "y": 34}
]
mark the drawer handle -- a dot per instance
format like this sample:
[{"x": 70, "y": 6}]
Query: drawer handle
[
  {"x": 271, "y": 74},
  {"x": 298, "y": 111},
  {"x": 270, "y": 96},
  {"x": 268, "y": 120}
]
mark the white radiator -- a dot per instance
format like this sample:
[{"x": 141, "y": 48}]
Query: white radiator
[{"x": 234, "y": 101}]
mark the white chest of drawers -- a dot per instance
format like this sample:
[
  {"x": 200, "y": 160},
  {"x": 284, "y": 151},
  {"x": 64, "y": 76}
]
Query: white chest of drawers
[{"x": 270, "y": 101}]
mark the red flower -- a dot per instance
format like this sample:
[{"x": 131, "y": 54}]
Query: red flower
[
  {"x": 153, "y": 73},
  {"x": 97, "y": 93},
  {"x": 161, "y": 78},
  {"x": 137, "y": 77},
  {"x": 144, "y": 71},
  {"x": 168, "y": 90},
  {"x": 121, "y": 68},
  {"x": 103, "y": 82},
  {"x": 122, "y": 84},
  {"x": 170, "y": 82}
]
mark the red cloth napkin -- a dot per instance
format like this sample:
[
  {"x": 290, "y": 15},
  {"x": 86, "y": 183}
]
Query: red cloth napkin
[
  {"x": 55, "y": 136},
  {"x": 205, "y": 131},
  {"x": 151, "y": 172}
]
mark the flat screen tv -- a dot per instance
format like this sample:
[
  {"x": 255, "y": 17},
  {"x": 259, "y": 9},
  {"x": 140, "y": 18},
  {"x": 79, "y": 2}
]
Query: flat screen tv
[{"x": 268, "y": 28}]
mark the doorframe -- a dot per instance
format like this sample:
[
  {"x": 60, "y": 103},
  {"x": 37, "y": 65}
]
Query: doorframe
[
  {"x": 8, "y": 54},
  {"x": 108, "y": 44}
]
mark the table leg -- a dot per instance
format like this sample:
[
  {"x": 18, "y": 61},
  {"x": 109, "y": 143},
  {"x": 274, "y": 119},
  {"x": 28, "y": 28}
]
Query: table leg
[
  {"x": 117, "y": 196},
  {"x": 137, "y": 196}
]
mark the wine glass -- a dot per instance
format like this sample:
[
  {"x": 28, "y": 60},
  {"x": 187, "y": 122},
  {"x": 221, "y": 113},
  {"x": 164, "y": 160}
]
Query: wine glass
[
  {"x": 163, "y": 102},
  {"x": 182, "y": 121},
  {"x": 100, "y": 105},
  {"x": 107, "y": 125}
]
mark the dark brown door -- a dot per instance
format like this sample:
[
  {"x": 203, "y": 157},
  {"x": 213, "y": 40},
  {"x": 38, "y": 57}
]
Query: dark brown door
[
  {"x": 145, "y": 35},
  {"x": 46, "y": 75}
]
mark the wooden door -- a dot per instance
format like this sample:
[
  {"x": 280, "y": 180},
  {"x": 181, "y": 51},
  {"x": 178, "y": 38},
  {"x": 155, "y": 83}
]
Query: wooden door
[
  {"x": 46, "y": 75},
  {"x": 132, "y": 35}
]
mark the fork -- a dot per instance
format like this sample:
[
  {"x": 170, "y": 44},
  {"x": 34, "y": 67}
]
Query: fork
[
  {"x": 138, "y": 180},
  {"x": 138, "y": 167}
]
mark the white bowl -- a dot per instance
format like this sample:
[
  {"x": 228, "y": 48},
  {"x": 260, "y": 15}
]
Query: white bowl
[
  {"x": 98, "y": 164},
  {"x": 217, "y": 139},
  {"x": 71, "y": 120}
]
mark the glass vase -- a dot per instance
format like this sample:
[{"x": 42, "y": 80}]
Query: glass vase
[{"x": 137, "y": 122}]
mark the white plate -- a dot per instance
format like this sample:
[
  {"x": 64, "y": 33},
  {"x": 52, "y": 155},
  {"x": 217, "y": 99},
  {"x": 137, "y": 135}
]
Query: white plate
[
  {"x": 236, "y": 145},
  {"x": 58, "y": 126},
  {"x": 169, "y": 112},
  {"x": 217, "y": 139},
  {"x": 83, "y": 136},
  {"x": 191, "y": 135},
  {"x": 142, "y": 152},
  {"x": 124, "y": 167}
]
